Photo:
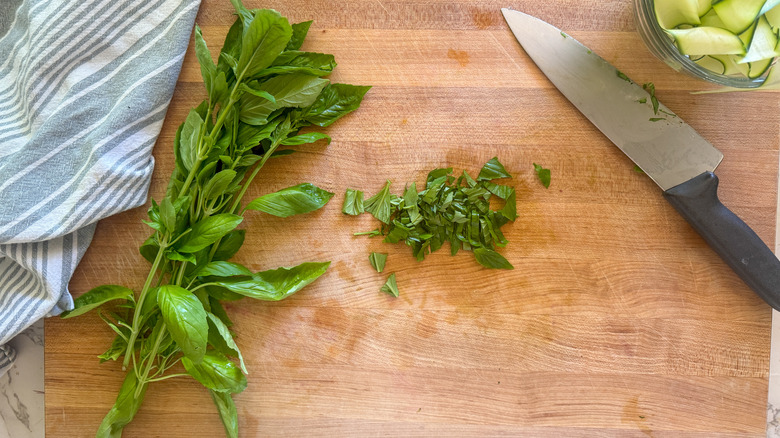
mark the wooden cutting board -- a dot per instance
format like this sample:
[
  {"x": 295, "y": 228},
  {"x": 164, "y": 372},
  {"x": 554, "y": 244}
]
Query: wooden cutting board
[{"x": 616, "y": 321}]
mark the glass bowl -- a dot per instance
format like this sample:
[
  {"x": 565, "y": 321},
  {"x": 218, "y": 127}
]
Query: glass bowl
[{"x": 662, "y": 46}]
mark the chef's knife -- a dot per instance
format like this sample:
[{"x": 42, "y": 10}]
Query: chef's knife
[{"x": 669, "y": 151}]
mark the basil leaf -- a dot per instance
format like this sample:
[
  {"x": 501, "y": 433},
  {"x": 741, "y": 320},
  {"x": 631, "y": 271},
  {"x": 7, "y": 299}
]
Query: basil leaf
[
  {"x": 299, "y": 31},
  {"x": 294, "y": 90},
  {"x": 186, "y": 320},
  {"x": 510, "y": 207},
  {"x": 250, "y": 136},
  {"x": 493, "y": 169},
  {"x": 303, "y": 198},
  {"x": 334, "y": 102},
  {"x": 180, "y": 169},
  {"x": 225, "y": 339},
  {"x": 259, "y": 93},
  {"x": 221, "y": 293},
  {"x": 229, "y": 245},
  {"x": 126, "y": 406},
  {"x": 167, "y": 215},
  {"x": 353, "y": 202},
  {"x": 437, "y": 176},
  {"x": 543, "y": 174},
  {"x": 248, "y": 160},
  {"x": 263, "y": 40},
  {"x": 231, "y": 49},
  {"x": 315, "y": 64},
  {"x": 117, "y": 348},
  {"x": 208, "y": 231},
  {"x": 219, "y": 311},
  {"x": 379, "y": 204},
  {"x": 188, "y": 144},
  {"x": 216, "y": 372},
  {"x": 218, "y": 183},
  {"x": 177, "y": 256},
  {"x": 469, "y": 180},
  {"x": 491, "y": 259},
  {"x": 219, "y": 91},
  {"x": 207, "y": 68},
  {"x": 227, "y": 412},
  {"x": 277, "y": 284},
  {"x": 310, "y": 137},
  {"x": 97, "y": 297},
  {"x": 223, "y": 269},
  {"x": 377, "y": 260},
  {"x": 244, "y": 14},
  {"x": 501, "y": 191},
  {"x": 390, "y": 287},
  {"x": 372, "y": 233}
]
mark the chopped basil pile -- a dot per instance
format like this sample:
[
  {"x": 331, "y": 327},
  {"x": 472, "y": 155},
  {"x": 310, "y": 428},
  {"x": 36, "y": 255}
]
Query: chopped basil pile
[{"x": 449, "y": 209}]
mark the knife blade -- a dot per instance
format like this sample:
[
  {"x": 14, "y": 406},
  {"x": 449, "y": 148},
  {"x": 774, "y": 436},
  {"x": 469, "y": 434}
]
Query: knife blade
[{"x": 667, "y": 149}]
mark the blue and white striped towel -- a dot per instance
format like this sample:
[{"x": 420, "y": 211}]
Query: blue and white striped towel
[{"x": 84, "y": 88}]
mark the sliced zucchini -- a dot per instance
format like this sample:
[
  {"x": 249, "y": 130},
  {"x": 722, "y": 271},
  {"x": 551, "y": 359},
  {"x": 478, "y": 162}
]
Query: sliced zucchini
[
  {"x": 772, "y": 81},
  {"x": 729, "y": 37},
  {"x": 712, "y": 64},
  {"x": 768, "y": 6},
  {"x": 731, "y": 65},
  {"x": 762, "y": 44},
  {"x": 738, "y": 15},
  {"x": 672, "y": 13},
  {"x": 707, "y": 40},
  {"x": 712, "y": 19},
  {"x": 773, "y": 16},
  {"x": 747, "y": 35},
  {"x": 758, "y": 68},
  {"x": 704, "y": 7}
]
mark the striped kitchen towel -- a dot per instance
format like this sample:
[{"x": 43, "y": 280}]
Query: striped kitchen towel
[{"x": 84, "y": 88}]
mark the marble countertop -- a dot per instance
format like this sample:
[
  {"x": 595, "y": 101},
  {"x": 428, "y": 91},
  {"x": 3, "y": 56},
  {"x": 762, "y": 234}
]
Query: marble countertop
[{"x": 21, "y": 388}]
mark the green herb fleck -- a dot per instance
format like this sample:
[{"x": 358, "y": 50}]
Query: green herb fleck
[
  {"x": 353, "y": 202},
  {"x": 642, "y": 100},
  {"x": 390, "y": 287},
  {"x": 563, "y": 34},
  {"x": 377, "y": 260},
  {"x": 650, "y": 88},
  {"x": 543, "y": 175},
  {"x": 491, "y": 259},
  {"x": 638, "y": 169},
  {"x": 657, "y": 119},
  {"x": 371, "y": 233},
  {"x": 493, "y": 169},
  {"x": 379, "y": 204},
  {"x": 622, "y": 75}
]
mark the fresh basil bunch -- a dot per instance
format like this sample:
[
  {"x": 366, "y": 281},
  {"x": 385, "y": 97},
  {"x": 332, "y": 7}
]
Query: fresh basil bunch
[{"x": 261, "y": 92}]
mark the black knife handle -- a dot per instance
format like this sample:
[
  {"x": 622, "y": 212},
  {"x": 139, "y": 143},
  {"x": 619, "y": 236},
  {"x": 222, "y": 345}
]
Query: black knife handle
[{"x": 735, "y": 242}]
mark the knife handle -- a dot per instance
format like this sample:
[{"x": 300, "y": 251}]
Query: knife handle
[{"x": 736, "y": 243}]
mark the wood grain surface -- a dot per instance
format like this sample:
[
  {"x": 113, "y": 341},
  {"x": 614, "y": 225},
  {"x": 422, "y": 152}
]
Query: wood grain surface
[{"x": 617, "y": 320}]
